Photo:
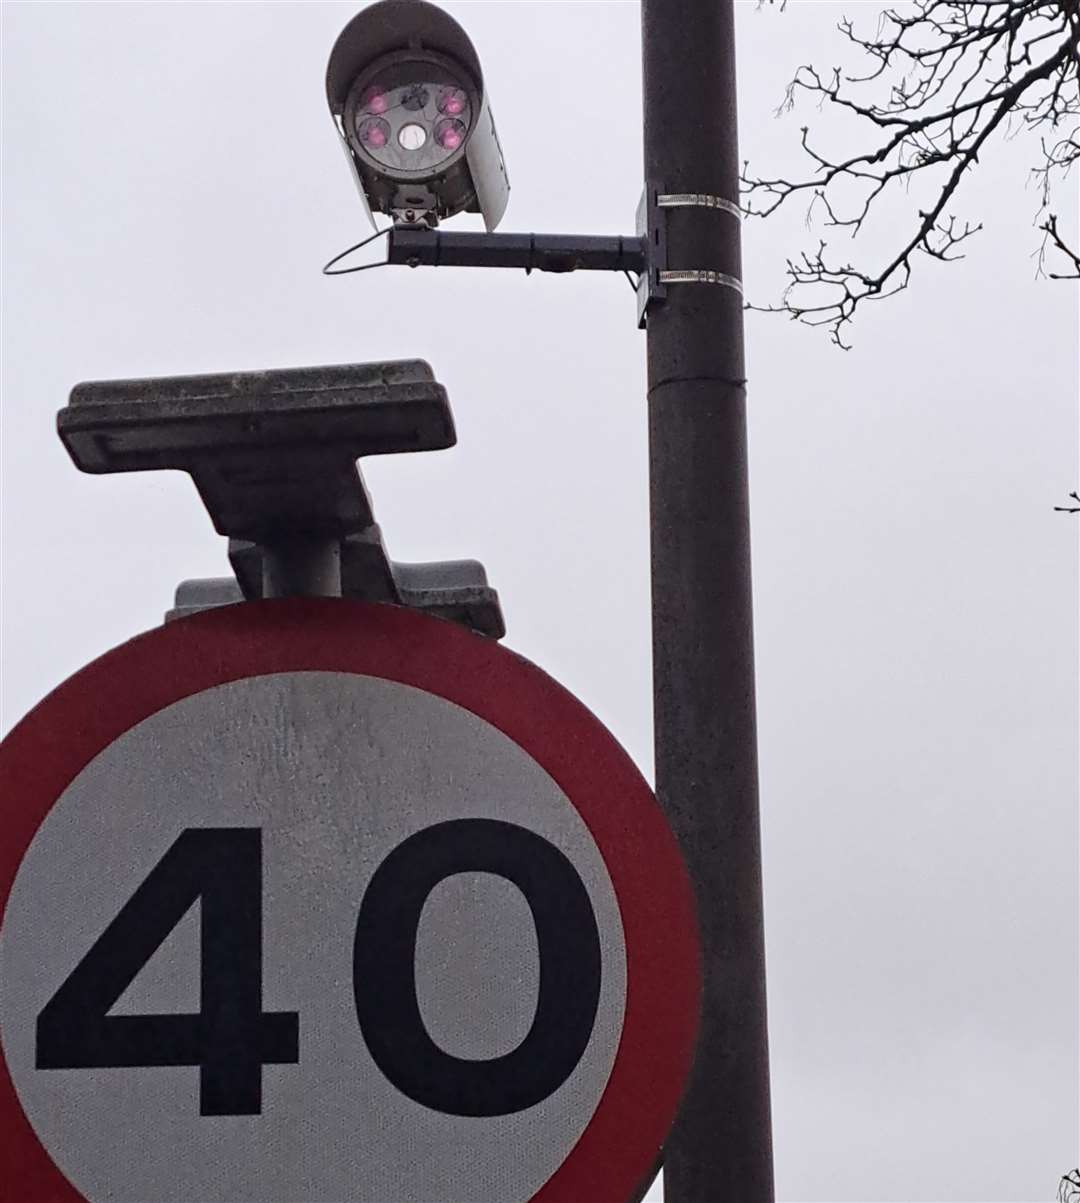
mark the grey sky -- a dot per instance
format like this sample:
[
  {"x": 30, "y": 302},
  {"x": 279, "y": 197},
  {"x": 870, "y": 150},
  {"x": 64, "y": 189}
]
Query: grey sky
[{"x": 172, "y": 185}]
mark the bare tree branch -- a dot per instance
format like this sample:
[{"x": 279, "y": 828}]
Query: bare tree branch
[
  {"x": 1052, "y": 236},
  {"x": 1069, "y": 1187},
  {"x": 945, "y": 78}
]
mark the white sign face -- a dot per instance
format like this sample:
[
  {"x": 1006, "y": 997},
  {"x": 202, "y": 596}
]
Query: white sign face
[
  {"x": 308, "y": 935},
  {"x": 328, "y": 774}
]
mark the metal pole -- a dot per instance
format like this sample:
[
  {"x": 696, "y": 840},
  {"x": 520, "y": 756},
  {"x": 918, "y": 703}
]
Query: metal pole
[{"x": 703, "y": 669}]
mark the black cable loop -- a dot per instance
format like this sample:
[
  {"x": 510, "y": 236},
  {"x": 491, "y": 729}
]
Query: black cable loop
[{"x": 347, "y": 271}]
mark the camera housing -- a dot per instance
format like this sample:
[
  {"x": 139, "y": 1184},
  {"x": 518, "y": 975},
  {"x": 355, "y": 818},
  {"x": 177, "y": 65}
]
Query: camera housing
[{"x": 407, "y": 96}]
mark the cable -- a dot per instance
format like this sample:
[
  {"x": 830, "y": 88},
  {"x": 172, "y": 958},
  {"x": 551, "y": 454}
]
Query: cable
[{"x": 346, "y": 271}]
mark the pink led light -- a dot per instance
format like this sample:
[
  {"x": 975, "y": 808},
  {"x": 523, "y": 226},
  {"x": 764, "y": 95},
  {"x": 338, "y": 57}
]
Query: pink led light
[
  {"x": 453, "y": 102},
  {"x": 450, "y": 134},
  {"x": 374, "y": 132},
  {"x": 376, "y": 102}
]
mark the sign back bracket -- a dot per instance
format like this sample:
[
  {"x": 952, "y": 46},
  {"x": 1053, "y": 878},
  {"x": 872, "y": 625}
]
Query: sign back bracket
[{"x": 273, "y": 455}]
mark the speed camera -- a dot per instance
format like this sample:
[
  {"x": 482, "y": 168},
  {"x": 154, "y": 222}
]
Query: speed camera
[{"x": 407, "y": 95}]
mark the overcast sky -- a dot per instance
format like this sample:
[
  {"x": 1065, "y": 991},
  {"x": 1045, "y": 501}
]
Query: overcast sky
[{"x": 172, "y": 185}]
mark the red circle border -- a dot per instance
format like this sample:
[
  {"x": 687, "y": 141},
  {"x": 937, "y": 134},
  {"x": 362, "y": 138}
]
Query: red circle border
[{"x": 50, "y": 747}]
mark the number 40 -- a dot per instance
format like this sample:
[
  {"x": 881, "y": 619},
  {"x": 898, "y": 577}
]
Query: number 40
[{"x": 231, "y": 1038}]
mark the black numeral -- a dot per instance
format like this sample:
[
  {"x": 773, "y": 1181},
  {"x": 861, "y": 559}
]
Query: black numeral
[
  {"x": 231, "y": 1038},
  {"x": 384, "y": 975}
]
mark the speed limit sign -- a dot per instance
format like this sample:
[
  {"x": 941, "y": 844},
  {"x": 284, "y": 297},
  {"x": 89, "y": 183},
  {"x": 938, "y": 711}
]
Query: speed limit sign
[{"x": 315, "y": 901}]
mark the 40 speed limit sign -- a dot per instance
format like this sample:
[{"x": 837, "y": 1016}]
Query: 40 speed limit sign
[{"x": 323, "y": 902}]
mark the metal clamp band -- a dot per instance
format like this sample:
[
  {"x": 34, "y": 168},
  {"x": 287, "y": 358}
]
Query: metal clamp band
[
  {"x": 697, "y": 200},
  {"x": 693, "y": 276}
]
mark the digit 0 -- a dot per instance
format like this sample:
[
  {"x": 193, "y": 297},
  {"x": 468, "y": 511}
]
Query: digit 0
[{"x": 384, "y": 975}]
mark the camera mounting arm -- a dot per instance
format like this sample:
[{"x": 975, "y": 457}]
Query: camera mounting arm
[
  {"x": 419, "y": 246},
  {"x": 644, "y": 254}
]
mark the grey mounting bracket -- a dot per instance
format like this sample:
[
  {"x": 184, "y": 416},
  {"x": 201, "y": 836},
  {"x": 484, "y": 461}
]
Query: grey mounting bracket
[
  {"x": 652, "y": 213},
  {"x": 416, "y": 244},
  {"x": 273, "y": 455},
  {"x": 452, "y": 589}
]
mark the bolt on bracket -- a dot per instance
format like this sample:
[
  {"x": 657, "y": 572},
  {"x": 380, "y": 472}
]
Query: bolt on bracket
[{"x": 652, "y": 229}]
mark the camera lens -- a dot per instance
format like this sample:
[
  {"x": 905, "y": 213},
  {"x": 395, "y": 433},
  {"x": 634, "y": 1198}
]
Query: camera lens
[
  {"x": 412, "y": 136},
  {"x": 410, "y": 116}
]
